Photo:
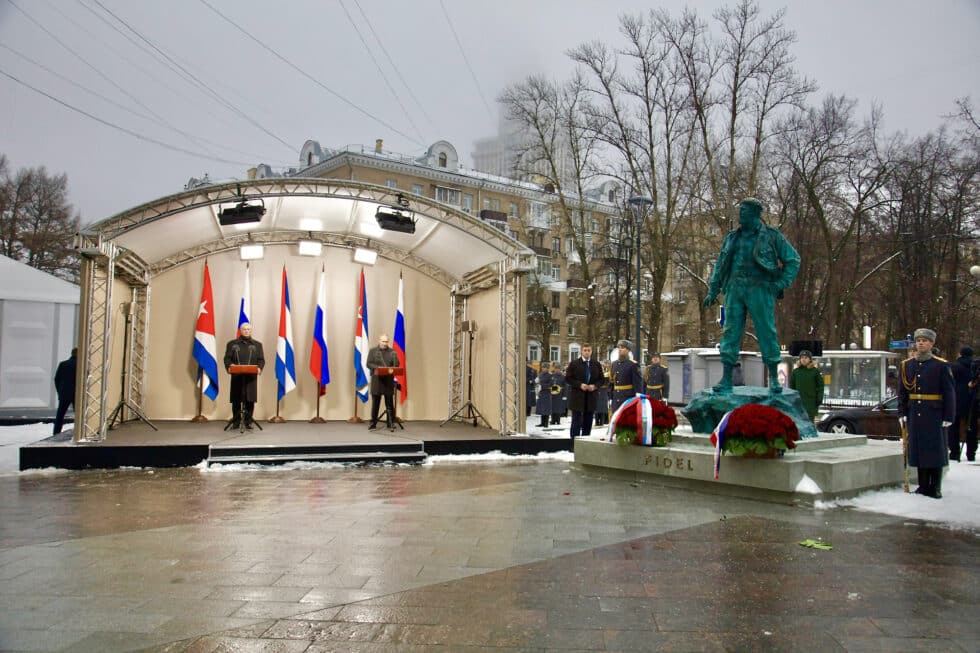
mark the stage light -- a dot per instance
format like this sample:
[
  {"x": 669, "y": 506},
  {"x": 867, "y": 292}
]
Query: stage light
[
  {"x": 395, "y": 219},
  {"x": 241, "y": 213},
  {"x": 310, "y": 224},
  {"x": 310, "y": 247},
  {"x": 251, "y": 252},
  {"x": 365, "y": 256}
]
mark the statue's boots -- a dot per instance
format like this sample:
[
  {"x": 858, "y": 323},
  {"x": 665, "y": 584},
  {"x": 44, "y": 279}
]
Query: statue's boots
[
  {"x": 774, "y": 386},
  {"x": 725, "y": 385}
]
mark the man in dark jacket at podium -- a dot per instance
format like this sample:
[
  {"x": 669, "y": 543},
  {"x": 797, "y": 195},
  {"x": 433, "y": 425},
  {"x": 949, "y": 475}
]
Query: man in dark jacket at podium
[
  {"x": 244, "y": 350},
  {"x": 382, "y": 356}
]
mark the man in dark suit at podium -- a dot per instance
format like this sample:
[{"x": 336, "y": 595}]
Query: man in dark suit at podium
[
  {"x": 382, "y": 384},
  {"x": 244, "y": 350}
]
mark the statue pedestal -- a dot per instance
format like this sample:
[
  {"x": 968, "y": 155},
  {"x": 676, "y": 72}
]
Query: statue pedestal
[
  {"x": 819, "y": 469},
  {"x": 707, "y": 407}
]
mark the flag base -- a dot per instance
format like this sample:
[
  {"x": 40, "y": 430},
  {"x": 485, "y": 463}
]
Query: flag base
[
  {"x": 276, "y": 420},
  {"x": 199, "y": 419},
  {"x": 355, "y": 420},
  {"x": 318, "y": 420}
]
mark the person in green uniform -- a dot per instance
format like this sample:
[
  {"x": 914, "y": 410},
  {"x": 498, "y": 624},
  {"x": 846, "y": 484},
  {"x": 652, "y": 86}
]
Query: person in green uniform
[
  {"x": 808, "y": 381},
  {"x": 755, "y": 265}
]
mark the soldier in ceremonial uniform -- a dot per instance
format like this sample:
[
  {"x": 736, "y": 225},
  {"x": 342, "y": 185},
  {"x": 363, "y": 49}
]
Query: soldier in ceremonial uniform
[
  {"x": 927, "y": 405},
  {"x": 559, "y": 396},
  {"x": 657, "y": 379},
  {"x": 624, "y": 376},
  {"x": 543, "y": 405}
]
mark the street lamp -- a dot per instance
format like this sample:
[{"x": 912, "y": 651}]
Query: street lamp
[{"x": 639, "y": 205}]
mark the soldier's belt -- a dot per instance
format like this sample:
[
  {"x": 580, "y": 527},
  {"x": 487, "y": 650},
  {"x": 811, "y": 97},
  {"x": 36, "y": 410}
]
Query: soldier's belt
[
  {"x": 623, "y": 387},
  {"x": 926, "y": 397},
  {"x": 655, "y": 387}
]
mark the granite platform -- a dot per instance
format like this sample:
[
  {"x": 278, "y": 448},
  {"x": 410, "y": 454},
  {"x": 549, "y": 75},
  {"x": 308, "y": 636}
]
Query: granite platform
[{"x": 827, "y": 467}]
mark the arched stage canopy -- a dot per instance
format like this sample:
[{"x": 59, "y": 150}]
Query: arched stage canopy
[{"x": 127, "y": 252}]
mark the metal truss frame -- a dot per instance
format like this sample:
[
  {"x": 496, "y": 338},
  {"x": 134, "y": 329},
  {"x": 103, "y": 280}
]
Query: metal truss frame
[
  {"x": 288, "y": 237},
  {"x": 300, "y": 187},
  {"x": 457, "y": 369}
]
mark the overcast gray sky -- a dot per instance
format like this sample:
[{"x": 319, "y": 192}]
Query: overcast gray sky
[{"x": 913, "y": 57}]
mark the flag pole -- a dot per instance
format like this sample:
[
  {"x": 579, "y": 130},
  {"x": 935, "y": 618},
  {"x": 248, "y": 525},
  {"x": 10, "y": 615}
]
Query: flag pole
[
  {"x": 199, "y": 418},
  {"x": 355, "y": 419},
  {"x": 317, "y": 419},
  {"x": 276, "y": 419}
]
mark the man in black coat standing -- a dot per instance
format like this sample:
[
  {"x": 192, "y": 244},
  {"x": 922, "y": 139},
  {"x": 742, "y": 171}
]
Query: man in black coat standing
[
  {"x": 962, "y": 375},
  {"x": 64, "y": 385},
  {"x": 382, "y": 356},
  {"x": 583, "y": 376},
  {"x": 244, "y": 350},
  {"x": 926, "y": 404}
]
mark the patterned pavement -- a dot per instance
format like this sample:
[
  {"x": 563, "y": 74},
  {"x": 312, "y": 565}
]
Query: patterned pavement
[{"x": 514, "y": 556}]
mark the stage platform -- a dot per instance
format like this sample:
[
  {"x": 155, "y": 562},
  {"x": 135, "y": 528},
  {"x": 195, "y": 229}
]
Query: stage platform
[{"x": 183, "y": 444}]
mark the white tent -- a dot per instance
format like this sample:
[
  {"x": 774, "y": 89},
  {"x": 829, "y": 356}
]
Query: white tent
[{"x": 38, "y": 322}]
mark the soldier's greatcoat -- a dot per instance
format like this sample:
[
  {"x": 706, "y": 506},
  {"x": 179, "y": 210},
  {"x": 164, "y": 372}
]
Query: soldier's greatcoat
[
  {"x": 626, "y": 382},
  {"x": 927, "y": 397}
]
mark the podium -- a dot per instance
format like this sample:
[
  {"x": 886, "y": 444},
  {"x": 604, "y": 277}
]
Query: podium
[
  {"x": 242, "y": 370},
  {"x": 391, "y": 371}
]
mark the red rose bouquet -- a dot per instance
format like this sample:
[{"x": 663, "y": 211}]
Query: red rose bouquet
[
  {"x": 644, "y": 421},
  {"x": 755, "y": 429}
]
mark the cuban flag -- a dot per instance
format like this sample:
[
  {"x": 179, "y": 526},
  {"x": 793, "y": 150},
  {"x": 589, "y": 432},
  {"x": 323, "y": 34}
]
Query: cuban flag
[
  {"x": 361, "y": 345},
  {"x": 718, "y": 439},
  {"x": 245, "y": 306},
  {"x": 285, "y": 363},
  {"x": 398, "y": 342},
  {"x": 319, "y": 365},
  {"x": 205, "y": 352}
]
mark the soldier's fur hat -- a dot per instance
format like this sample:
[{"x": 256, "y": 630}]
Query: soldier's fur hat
[{"x": 925, "y": 333}]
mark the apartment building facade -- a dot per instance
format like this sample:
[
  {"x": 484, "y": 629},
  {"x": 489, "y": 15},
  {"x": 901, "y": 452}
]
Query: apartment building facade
[{"x": 525, "y": 210}]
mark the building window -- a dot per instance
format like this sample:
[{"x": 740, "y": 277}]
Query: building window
[
  {"x": 447, "y": 195},
  {"x": 556, "y": 300},
  {"x": 612, "y": 195},
  {"x": 596, "y": 226},
  {"x": 574, "y": 351},
  {"x": 442, "y": 159},
  {"x": 555, "y": 271},
  {"x": 309, "y": 158},
  {"x": 468, "y": 202},
  {"x": 556, "y": 245},
  {"x": 544, "y": 266},
  {"x": 555, "y": 354},
  {"x": 534, "y": 352},
  {"x": 496, "y": 205},
  {"x": 486, "y": 203},
  {"x": 391, "y": 183},
  {"x": 513, "y": 210},
  {"x": 417, "y": 189}
]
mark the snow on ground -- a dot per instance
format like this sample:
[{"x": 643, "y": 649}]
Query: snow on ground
[{"x": 959, "y": 507}]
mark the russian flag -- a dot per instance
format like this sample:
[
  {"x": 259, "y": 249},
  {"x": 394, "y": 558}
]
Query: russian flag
[
  {"x": 245, "y": 306},
  {"x": 361, "y": 345},
  {"x": 285, "y": 363},
  {"x": 399, "y": 339},
  {"x": 205, "y": 352},
  {"x": 718, "y": 439},
  {"x": 319, "y": 364}
]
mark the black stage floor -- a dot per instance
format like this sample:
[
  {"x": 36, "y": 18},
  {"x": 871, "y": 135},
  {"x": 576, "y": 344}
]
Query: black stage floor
[{"x": 183, "y": 444}]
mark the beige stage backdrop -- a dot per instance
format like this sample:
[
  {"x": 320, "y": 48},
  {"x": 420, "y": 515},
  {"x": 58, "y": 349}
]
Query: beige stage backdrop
[
  {"x": 171, "y": 389},
  {"x": 484, "y": 309}
]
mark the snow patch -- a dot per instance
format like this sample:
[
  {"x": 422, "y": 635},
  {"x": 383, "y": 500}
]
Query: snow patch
[{"x": 808, "y": 486}]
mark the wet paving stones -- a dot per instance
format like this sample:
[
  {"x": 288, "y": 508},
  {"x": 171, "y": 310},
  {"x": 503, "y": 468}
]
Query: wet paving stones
[{"x": 461, "y": 557}]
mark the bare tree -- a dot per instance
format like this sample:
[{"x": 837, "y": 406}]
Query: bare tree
[
  {"x": 559, "y": 147},
  {"x": 37, "y": 222}
]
